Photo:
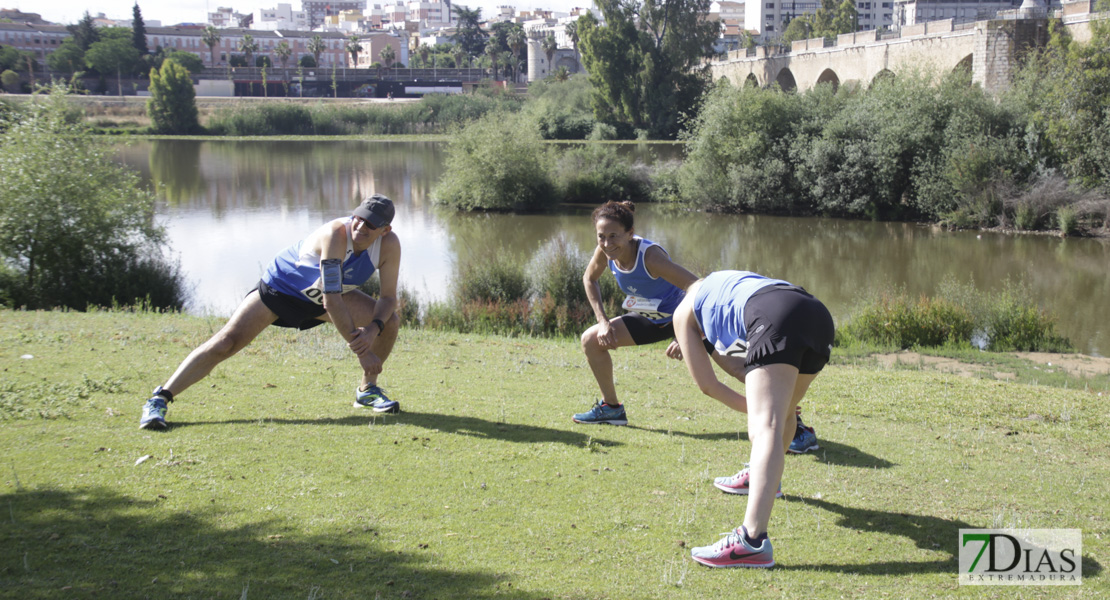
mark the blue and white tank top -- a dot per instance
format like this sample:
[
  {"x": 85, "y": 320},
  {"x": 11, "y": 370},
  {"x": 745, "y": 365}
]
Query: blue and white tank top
[
  {"x": 653, "y": 297},
  {"x": 719, "y": 308},
  {"x": 295, "y": 271}
]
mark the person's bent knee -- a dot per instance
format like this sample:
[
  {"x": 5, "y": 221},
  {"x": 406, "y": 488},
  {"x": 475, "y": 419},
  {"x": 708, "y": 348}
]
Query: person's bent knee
[
  {"x": 394, "y": 321},
  {"x": 589, "y": 339}
]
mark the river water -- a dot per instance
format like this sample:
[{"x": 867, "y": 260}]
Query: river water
[{"x": 230, "y": 206}]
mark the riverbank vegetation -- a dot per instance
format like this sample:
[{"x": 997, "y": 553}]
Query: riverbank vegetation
[{"x": 542, "y": 295}]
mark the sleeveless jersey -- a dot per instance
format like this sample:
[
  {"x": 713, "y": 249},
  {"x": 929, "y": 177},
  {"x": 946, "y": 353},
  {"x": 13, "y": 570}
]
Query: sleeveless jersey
[
  {"x": 295, "y": 271},
  {"x": 653, "y": 297},
  {"x": 719, "y": 308}
]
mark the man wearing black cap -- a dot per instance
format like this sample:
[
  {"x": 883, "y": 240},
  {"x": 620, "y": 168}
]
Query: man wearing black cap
[{"x": 311, "y": 282}]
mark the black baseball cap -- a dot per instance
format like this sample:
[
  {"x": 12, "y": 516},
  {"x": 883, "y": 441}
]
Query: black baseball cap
[{"x": 376, "y": 210}]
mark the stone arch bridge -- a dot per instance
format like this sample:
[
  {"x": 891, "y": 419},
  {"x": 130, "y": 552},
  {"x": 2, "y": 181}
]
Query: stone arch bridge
[{"x": 989, "y": 49}]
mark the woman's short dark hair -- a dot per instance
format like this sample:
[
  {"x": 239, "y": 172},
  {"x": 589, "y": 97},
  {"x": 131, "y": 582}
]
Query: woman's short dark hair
[{"x": 620, "y": 212}]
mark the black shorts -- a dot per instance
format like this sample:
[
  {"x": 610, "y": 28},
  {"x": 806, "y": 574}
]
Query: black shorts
[
  {"x": 292, "y": 312},
  {"x": 645, "y": 331},
  {"x": 786, "y": 325}
]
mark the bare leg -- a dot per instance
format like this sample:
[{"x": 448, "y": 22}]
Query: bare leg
[
  {"x": 773, "y": 392},
  {"x": 250, "y": 318},
  {"x": 600, "y": 362},
  {"x": 362, "y": 308}
]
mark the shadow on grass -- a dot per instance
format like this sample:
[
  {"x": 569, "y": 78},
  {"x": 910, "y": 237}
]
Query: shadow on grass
[
  {"x": 829, "y": 452},
  {"x": 93, "y": 541},
  {"x": 926, "y": 532},
  {"x": 468, "y": 426}
]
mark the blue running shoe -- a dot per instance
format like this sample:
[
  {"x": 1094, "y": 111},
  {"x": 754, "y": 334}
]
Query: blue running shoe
[
  {"x": 375, "y": 399},
  {"x": 804, "y": 439},
  {"x": 603, "y": 413},
  {"x": 154, "y": 414}
]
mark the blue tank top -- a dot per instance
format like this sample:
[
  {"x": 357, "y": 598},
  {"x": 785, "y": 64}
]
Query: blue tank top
[
  {"x": 719, "y": 308},
  {"x": 295, "y": 271},
  {"x": 653, "y": 297}
]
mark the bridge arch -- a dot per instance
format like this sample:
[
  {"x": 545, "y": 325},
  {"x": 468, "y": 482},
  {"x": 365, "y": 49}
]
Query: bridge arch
[
  {"x": 882, "y": 76},
  {"x": 829, "y": 76},
  {"x": 751, "y": 80},
  {"x": 786, "y": 81},
  {"x": 965, "y": 64}
]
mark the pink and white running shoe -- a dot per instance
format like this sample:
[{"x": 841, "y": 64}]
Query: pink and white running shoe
[
  {"x": 738, "y": 484},
  {"x": 734, "y": 551}
]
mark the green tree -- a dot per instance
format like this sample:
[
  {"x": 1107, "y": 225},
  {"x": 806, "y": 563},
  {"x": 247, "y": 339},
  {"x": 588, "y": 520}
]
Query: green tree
[
  {"x": 846, "y": 19},
  {"x": 10, "y": 80},
  {"x": 190, "y": 61},
  {"x": 517, "y": 41},
  {"x": 113, "y": 55},
  {"x": 572, "y": 33},
  {"x": 172, "y": 105},
  {"x": 68, "y": 58},
  {"x": 316, "y": 46},
  {"x": 283, "y": 51},
  {"x": 459, "y": 54},
  {"x": 468, "y": 32},
  {"x": 138, "y": 31},
  {"x": 248, "y": 46},
  {"x": 307, "y": 62},
  {"x": 648, "y": 61},
  {"x": 211, "y": 38},
  {"x": 84, "y": 32},
  {"x": 354, "y": 48},
  {"x": 78, "y": 236},
  {"x": 549, "y": 46},
  {"x": 492, "y": 51},
  {"x": 10, "y": 57},
  {"x": 424, "y": 51},
  {"x": 388, "y": 55},
  {"x": 799, "y": 28}
]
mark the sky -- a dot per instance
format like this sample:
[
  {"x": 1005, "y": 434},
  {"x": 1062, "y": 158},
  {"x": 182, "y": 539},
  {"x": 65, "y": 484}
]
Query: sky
[{"x": 196, "y": 11}]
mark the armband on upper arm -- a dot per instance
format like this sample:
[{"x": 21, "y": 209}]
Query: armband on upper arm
[{"x": 331, "y": 273}]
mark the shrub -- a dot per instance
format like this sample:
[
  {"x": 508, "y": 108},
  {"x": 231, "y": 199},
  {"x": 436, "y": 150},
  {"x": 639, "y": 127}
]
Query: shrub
[
  {"x": 497, "y": 163},
  {"x": 958, "y": 314},
  {"x": 10, "y": 80},
  {"x": 172, "y": 105},
  {"x": 500, "y": 278},
  {"x": 80, "y": 235},
  {"x": 1014, "y": 322},
  {"x": 898, "y": 320},
  {"x": 595, "y": 173},
  {"x": 1067, "y": 220}
]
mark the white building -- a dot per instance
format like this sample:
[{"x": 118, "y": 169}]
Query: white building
[
  {"x": 911, "y": 12},
  {"x": 280, "y": 17},
  {"x": 226, "y": 17}
]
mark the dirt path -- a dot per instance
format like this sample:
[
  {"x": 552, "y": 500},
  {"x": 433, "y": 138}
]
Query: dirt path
[{"x": 1076, "y": 364}]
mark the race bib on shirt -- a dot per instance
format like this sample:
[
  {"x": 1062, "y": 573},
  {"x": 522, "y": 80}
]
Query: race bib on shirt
[
  {"x": 649, "y": 307},
  {"x": 315, "y": 292},
  {"x": 738, "y": 349}
]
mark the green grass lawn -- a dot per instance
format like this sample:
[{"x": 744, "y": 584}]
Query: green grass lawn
[{"x": 271, "y": 485}]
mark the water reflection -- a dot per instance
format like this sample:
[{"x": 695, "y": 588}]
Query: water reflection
[{"x": 230, "y": 206}]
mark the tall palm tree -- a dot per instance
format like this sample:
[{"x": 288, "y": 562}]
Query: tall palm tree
[
  {"x": 517, "y": 42},
  {"x": 424, "y": 50},
  {"x": 549, "y": 47},
  {"x": 283, "y": 51},
  {"x": 492, "y": 49},
  {"x": 354, "y": 48},
  {"x": 459, "y": 53},
  {"x": 572, "y": 33},
  {"x": 388, "y": 55},
  {"x": 317, "y": 46},
  {"x": 211, "y": 37},
  {"x": 248, "y": 46}
]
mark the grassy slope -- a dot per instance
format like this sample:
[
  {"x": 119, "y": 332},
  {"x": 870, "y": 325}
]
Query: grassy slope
[{"x": 270, "y": 485}]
